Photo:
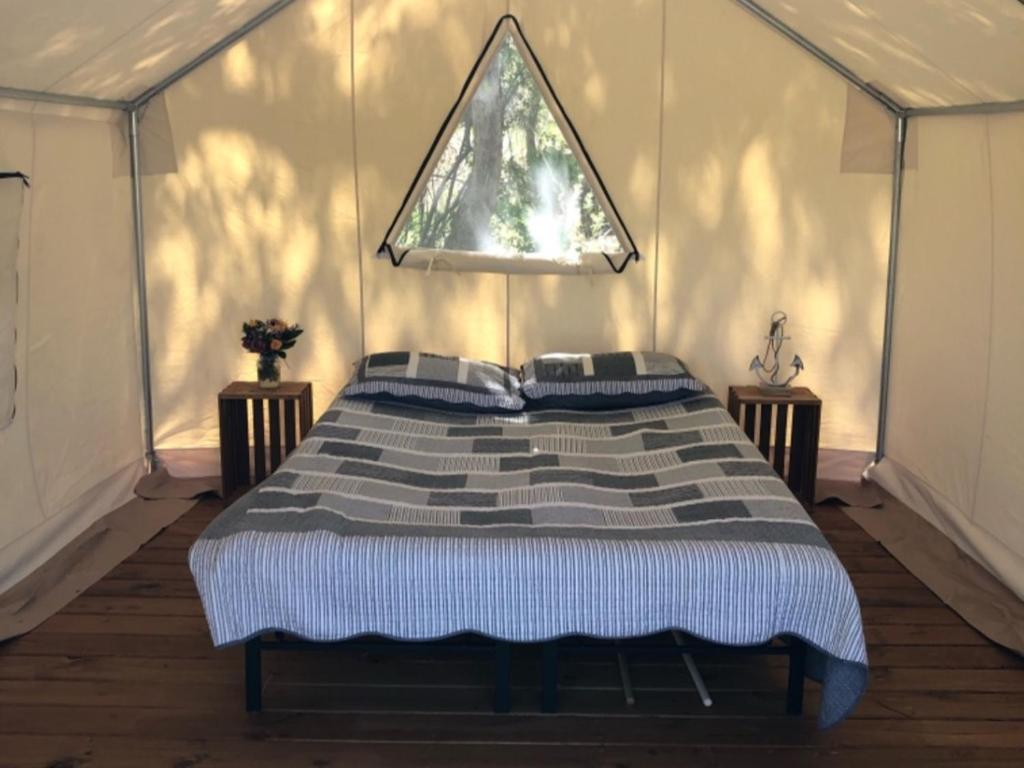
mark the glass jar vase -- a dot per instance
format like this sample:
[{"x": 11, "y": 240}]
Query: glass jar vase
[{"x": 268, "y": 371}]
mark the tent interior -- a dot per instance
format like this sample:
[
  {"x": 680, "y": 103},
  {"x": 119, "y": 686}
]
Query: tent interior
[{"x": 194, "y": 163}]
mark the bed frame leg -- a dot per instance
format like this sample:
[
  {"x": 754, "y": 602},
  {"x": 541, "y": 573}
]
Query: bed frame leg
[
  {"x": 795, "y": 692},
  {"x": 502, "y": 677},
  {"x": 549, "y": 677},
  {"x": 253, "y": 675}
]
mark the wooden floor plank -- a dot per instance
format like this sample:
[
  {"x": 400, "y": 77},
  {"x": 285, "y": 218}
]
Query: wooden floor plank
[
  {"x": 110, "y": 587},
  {"x": 871, "y": 563},
  {"x": 112, "y": 624},
  {"x": 134, "y": 606},
  {"x": 411, "y": 698},
  {"x": 127, "y": 752},
  {"x": 139, "y": 646},
  {"x": 905, "y": 581},
  {"x": 935, "y": 657},
  {"x": 170, "y": 540},
  {"x": 164, "y": 572},
  {"x": 746, "y": 673},
  {"x": 368, "y": 727},
  {"x": 169, "y": 556},
  {"x": 924, "y": 635}
]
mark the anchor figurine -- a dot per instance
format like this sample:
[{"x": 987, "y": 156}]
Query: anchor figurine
[{"x": 768, "y": 369}]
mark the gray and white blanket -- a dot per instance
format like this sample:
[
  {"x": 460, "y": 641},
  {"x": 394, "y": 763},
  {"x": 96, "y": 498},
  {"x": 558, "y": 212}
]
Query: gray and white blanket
[{"x": 415, "y": 524}]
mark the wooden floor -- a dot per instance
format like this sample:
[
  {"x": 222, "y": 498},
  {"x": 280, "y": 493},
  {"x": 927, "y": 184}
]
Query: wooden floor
[{"x": 126, "y": 676}]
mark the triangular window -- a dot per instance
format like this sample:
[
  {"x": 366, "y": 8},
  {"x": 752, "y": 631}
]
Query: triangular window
[{"x": 507, "y": 185}]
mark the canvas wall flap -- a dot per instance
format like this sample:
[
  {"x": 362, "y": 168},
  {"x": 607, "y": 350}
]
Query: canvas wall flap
[
  {"x": 869, "y": 137},
  {"x": 156, "y": 142},
  {"x": 74, "y": 449}
]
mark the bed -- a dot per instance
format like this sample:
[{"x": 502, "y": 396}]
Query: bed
[{"x": 416, "y": 524}]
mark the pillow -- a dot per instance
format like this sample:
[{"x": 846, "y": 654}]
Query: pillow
[
  {"x": 425, "y": 379},
  {"x": 608, "y": 380}
]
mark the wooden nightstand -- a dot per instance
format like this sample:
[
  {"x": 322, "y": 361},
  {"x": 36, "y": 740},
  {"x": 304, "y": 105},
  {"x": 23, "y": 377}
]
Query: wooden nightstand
[
  {"x": 757, "y": 410},
  {"x": 234, "y": 428}
]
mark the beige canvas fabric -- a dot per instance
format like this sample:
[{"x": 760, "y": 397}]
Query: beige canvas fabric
[
  {"x": 868, "y": 136},
  {"x": 160, "y": 484},
  {"x": 74, "y": 449},
  {"x": 955, "y": 412},
  {"x": 738, "y": 210},
  {"x": 968, "y": 588},
  {"x": 156, "y": 143},
  {"x": 921, "y": 53},
  {"x": 755, "y": 216},
  {"x": 258, "y": 221},
  {"x": 83, "y": 561},
  {"x": 110, "y": 49}
]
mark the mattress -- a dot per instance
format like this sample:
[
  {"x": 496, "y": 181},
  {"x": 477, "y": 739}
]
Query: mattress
[{"x": 417, "y": 524}]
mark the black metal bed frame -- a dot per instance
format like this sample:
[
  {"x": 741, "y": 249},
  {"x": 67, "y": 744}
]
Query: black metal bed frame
[{"x": 793, "y": 647}]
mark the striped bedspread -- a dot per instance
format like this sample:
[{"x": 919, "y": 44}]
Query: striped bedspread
[{"x": 415, "y": 524}]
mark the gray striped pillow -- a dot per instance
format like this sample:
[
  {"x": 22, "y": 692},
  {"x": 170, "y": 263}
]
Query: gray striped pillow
[
  {"x": 438, "y": 380},
  {"x": 611, "y": 379}
]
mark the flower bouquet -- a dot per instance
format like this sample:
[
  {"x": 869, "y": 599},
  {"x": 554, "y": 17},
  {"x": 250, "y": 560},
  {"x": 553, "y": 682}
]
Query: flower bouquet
[{"x": 270, "y": 339}]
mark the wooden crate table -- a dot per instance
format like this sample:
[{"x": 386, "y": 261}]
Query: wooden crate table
[
  {"x": 233, "y": 406},
  {"x": 756, "y": 409}
]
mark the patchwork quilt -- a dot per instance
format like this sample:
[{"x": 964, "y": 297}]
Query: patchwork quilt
[{"x": 416, "y": 524}]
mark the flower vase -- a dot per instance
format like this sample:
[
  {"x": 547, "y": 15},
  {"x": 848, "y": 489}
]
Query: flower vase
[{"x": 268, "y": 371}]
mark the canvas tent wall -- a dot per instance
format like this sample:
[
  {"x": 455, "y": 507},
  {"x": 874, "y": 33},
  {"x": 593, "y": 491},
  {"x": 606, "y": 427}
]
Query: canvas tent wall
[
  {"x": 293, "y": 188},
  {"x": 954, "y": 450},
  {"x": 723, "y": 142},
  {"x": 73, "y": 450},
  {"x": 75, "y": 447}
]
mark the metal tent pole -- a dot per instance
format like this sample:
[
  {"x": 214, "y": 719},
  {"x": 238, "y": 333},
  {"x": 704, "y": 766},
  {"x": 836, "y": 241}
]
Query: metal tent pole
[
  {"x": 22, "y": 94},
  {"x": 982, "y": 108},
  {"x": 140, "y": 277},
  {"x": 890, "y": 288}
]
